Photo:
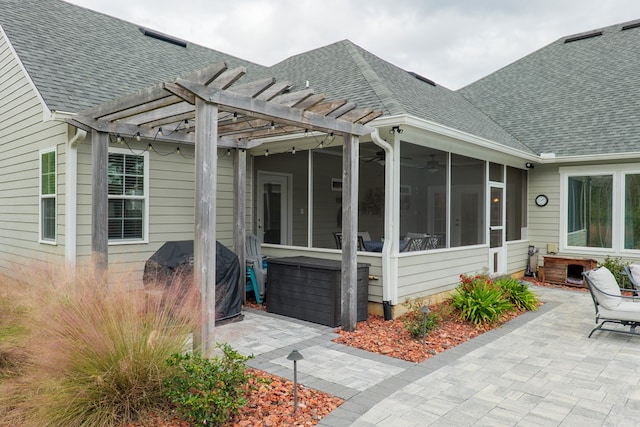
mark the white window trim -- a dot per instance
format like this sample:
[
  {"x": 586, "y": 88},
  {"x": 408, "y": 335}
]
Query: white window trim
[
  {"x": 145, "y": 220},
  {"x": 53, "y": 196},
  {"x": 618, "y": 173}
]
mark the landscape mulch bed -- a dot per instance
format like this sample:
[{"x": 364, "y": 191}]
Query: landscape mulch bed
[{"x": 271, "y": 403}]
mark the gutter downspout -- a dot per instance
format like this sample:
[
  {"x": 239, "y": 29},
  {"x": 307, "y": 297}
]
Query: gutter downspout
[
  {"x": 71, "y": 204},
  {"x": 391, "y": 236}
]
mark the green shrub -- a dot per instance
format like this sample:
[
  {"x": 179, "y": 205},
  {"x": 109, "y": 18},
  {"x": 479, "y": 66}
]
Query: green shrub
[
  {"x": 518, "y": 293},
  {"x": 616, "y": 266},
  {"x": 479, "y": 301},
  {"x": 208, "y": 391},
  {"x": 414, "y": 320}
]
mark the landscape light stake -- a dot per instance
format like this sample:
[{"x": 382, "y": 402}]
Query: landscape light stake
[
  {"x": 295, "y": 356},
  {"x": 425, "y": 311}
]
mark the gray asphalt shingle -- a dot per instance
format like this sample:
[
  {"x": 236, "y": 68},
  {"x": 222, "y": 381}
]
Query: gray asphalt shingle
[
  {"x": 575, "y": 98},
  {"x": 79, "y": 58}
]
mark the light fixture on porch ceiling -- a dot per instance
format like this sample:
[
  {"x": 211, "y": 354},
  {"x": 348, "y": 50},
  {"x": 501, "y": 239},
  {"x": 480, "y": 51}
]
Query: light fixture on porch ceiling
[{"x": 433, "y": 165}]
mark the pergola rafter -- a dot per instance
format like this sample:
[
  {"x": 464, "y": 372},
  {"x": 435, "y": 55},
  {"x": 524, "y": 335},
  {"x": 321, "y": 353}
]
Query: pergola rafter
[{"x": 221, "y": 113}]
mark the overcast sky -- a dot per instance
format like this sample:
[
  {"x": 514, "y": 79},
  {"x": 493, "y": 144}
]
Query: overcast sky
[{"x": 453, "y": 42}]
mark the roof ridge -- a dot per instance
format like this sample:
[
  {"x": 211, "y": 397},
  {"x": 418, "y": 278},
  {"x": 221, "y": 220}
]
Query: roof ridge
[{"x": 382, "y": 91}]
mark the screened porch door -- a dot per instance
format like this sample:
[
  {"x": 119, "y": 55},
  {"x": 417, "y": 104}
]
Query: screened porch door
[
  {"x": 274, "y": 208},
  {"x": 497, "y": 258}
]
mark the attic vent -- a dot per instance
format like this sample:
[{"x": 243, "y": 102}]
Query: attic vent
[
  {"x": 164, "y": 37},
  {"x": 582, "y": 36},
  {"x": 422, "y": 79},
  {"x": 635, "y": 24}
]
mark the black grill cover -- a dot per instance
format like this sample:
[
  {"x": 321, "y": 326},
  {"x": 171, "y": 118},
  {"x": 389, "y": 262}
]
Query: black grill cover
[{"x": 176, "y": 258}]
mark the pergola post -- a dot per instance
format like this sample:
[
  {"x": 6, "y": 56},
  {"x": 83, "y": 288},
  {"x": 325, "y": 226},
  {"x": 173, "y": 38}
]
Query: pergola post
[
  {"x": 100, "y": 203},
  {"x": 239, "y": 213},
  {"x": 204, "y": 244},
  {"x": 349, "y": 283}
]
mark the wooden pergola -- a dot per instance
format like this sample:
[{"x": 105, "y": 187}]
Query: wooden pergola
[{"x": 223, "y": 114}]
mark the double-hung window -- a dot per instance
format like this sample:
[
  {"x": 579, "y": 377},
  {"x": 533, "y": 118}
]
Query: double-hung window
[
  {"x": 128, "y": 196},
  {"x": 48, "y": 196}
]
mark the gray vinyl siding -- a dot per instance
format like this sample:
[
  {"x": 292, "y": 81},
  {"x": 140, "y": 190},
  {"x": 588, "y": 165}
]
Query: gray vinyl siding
[
  {"x": 517, "y": 256},
  {"x": 437, "y": 271},
  {"x": 22, "y": 134},
  {"x": 544, "y": 222},
  {"x": 171, "y": 204}
]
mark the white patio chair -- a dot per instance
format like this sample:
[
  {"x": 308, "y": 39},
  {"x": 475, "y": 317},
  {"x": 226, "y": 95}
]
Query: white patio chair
[
  {"x": 632, "y": 272},
  {"x": 611, "y": 306}
]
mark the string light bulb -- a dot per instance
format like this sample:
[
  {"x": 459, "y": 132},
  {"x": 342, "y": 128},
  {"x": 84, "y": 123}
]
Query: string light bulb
[
  {"x": 138, "y": 137},
  {"x": 273, "y": 126},
  {"x": 266, "y": 153},
  {"x": 321, "y": 145},
  {"x": 150, "y": 147},
  {"x": 119, "y": 139},
  {"x": 293, "y": 150},
  {"x": 187, "y": 125},
  {"x": 228, "y": 151},
  {"x": 178, "y": 150},
  {"x": 235, "y": 117}
]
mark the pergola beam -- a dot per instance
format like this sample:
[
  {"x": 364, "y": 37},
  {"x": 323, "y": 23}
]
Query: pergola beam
[
  {"x": 272, "y": 111},
  {"x": 225, "y": 116}
]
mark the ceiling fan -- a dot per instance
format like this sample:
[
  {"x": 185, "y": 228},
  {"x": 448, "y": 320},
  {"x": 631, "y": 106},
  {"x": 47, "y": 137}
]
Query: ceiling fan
[
  {"x": 379, "y": 157},
  {"x": 433, "y": 166}
]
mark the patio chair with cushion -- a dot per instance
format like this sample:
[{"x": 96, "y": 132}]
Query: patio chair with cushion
[
  {"x": 611, "y": 306},
  {"x": 632, "y": 271}
]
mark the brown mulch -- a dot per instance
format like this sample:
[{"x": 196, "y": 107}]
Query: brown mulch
[
  {"x": 390, "y": 337},
  {"x": 271, "y": 404}
]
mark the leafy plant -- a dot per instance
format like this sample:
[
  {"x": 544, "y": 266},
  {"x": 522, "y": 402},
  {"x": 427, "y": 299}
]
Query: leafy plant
[
  {"x": 480, "y": 301},
  {"x": 518, "y": 293},
  {"x": 208, "y": 391},
  {"x": 616, "y": 266},
  {"x": 414, "y": 320}
]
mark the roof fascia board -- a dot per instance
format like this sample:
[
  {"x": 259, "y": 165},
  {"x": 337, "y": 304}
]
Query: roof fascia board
[
  {"x": 405, "y": 119},
  {"x": 46, "y": 112},
  {"x": 600, "y": 158}
]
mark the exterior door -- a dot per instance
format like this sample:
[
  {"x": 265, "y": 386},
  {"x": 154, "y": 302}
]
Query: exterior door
[
  {"x": 274, "y": 208},
  {"x": 496, "y": 204}
]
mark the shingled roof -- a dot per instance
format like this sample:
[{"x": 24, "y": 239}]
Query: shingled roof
[
  {"x": 78, "y": 58},
  {"x": 580, "y": 95},
  {"x": 344, "y": 69}
]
